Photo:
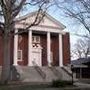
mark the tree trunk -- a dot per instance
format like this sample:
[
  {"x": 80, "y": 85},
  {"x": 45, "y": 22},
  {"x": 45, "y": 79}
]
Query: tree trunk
[
  {"x": 86, "y": 55},
  {"x": 6, "y": 59}
]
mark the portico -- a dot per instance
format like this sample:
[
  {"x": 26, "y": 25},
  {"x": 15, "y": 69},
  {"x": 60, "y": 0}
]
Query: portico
[
  {"x": 35, "y": 53},
  {"x": 42, "y": 45}
]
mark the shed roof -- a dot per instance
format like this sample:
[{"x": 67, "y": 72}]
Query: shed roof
[{"x": 80, "y": 61}]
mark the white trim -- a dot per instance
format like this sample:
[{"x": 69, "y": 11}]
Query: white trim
[
  {"x": 15, "y": 47},
  {"x": 34, "y": 39},
  {"x": 30, "y": 48},
  {"x": 37, "y": 56},
  {"x": 51, "y": 57},
  {"x": 30, "y": 15},
  {"x": 43, "y": 29},
  {"x": 19, "y": 52},
  {"x": 48, "y": 49},
  {"x": 60, "y": 51}
]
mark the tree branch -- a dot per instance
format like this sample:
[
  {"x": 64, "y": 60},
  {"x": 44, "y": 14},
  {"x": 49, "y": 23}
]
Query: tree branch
[
  {"x": 35, "y": 23},
  {"x": 39, "y": 16},
  {"x": 33, "y": 3},
  {"x": 1, "y": 13},
  {"x": 1, "y": 24},
  {"x": 18, "y": 8},
  {"x": 3, "y": 4},
  {"x": 1, "y": 27}
]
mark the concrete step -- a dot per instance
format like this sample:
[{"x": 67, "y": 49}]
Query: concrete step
[
  {"x": 50, "y": 76},
  {"x": 31, "y": 74},
  {"x": 64, "y": 74},
  {"x": 56, "y": 72},
  {"x": 67, "y": 69}
]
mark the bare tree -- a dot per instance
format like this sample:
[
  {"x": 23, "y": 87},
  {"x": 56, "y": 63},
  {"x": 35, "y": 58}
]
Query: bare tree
[
  {"x": 81, "y": 48},
  {"x": 9, "y": 9},
  {"x": 78, "y": 10}
]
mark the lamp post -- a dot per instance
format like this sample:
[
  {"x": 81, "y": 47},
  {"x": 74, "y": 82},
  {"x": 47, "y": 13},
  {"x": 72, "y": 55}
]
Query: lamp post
[{"x": 72, "y": 73}]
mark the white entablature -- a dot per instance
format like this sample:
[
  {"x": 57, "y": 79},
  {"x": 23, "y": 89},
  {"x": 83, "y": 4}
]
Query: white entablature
[{"x": 47, "y": 24}]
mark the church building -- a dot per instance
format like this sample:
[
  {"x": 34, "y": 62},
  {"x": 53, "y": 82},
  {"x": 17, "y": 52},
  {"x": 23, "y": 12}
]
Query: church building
[{"x": 46, "y": 44}]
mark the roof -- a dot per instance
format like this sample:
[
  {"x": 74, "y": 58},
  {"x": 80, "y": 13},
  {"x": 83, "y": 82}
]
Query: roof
[
  {"x": 81, "y": 61},
  {"x": 80, "y": 66},
  {"x": 46, "y": 14}
]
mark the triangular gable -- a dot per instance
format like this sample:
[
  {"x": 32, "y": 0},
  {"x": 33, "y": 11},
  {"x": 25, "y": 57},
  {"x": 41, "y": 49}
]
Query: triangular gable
[
  {"x": 55, "y": 22},
  {"x": 47, "y": 21}
]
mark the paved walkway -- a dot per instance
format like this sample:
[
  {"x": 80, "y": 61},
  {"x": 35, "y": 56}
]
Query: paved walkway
[{"x": 81, "y": 84}]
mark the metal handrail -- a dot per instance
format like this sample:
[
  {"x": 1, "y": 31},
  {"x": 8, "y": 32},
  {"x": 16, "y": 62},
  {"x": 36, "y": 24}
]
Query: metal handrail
[{"x": 39, "y": 70}]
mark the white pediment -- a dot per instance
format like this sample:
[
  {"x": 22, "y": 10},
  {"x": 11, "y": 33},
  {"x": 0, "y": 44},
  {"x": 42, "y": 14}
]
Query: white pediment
[{"x": 48, "y": 21}]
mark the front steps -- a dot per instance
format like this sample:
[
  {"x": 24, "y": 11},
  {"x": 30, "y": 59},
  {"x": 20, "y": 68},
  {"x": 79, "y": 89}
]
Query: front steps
[
  {"x": 43, "y": 74},
  {"x": 29, "y": 74},
  {"x": 36, "y": 74}
]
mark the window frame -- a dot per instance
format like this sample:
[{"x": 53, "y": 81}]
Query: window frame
[
  {"x": 19, "y": 57},
  {"x": 35, "y": 40}
]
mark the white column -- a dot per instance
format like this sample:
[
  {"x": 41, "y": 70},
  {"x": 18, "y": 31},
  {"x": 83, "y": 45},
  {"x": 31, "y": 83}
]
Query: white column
[
  {"x": 30, "y": 48},
  {"x": 60, "y": 51},
  {"x": 15, "y": 48},
  {"x": 48, "y": 48}
]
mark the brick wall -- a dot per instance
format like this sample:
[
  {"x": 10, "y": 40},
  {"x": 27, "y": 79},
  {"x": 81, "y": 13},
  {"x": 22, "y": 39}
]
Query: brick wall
[
  {"x": 23, "y": 45},
  {"x": 55, "y": 50},
  {"x": 66, "y": 49},
  {"x": 44, "y": 50}
]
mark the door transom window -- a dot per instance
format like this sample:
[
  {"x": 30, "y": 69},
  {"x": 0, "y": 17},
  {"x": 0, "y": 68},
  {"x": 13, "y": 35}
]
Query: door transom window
[{"x": 35, "y": 39}]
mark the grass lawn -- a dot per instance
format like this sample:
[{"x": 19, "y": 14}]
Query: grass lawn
[
  {"x": 26, "y": 87},
  {"x": 56, "y": 85},
  {"x": 33, "y": 87}
]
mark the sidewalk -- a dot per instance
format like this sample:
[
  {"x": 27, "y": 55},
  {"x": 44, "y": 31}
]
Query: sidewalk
[{"x": 81, "y": 84}]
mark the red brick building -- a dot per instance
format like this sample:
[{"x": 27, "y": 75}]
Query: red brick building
[{"x": 45, "y": 45}]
